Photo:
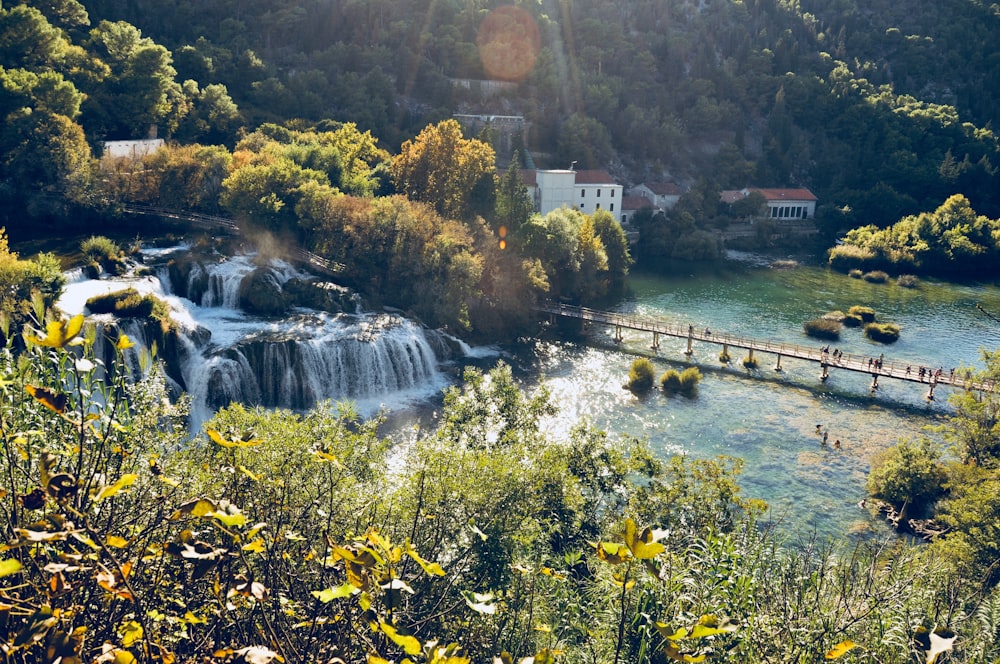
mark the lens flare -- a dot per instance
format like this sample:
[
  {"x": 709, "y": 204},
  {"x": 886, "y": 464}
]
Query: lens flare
[{"x": 509, "y": 42}]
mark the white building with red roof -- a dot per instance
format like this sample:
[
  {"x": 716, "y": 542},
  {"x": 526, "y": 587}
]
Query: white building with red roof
[
  {"x": 587, "y": 191},
  {"x": 663, "y": 195},
  {"x": 782, "y": 204}
]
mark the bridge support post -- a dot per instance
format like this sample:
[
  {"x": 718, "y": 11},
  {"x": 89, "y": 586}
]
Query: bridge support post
[
  {"x": 826, "y": 371},
  {"x": 656, "y": 341},
  {"x": 930, "y": 392},
  {"x": 690, "y": 349},
  {"x": 618, "y": 334},
  {"x": 874, "y": 382},
  {"x": 777, "y": 366}
]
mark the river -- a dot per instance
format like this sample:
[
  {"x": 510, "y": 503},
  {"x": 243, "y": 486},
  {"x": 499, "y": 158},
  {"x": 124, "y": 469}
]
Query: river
[{"x": 768, "y": 418}]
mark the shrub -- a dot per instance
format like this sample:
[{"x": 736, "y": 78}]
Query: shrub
[
  {"x": 641, "y": 375},
  {"x": 867, "y": 314},
  {"x": 670, "y": 381},
  {"x": 908, "y": 473},
  {"x": 129, "y": 303},
  {"x": 690, "y": 378},
  {"x": 836, "y": 315},
  {"x": 850, "y": 256},
  {"x": 852, "y": 320},
  {"x": 876, "y": 277},
  {"x": 750, "y": 362},
  {"x": 855, "y": 273},
  {"x": 724, "y": 357},
  {"x": 105, "y": 252},
  {"x": 907, "y": 281},
  {"x": 886, "y": 333},
  {"x": 823, "y": 328}
]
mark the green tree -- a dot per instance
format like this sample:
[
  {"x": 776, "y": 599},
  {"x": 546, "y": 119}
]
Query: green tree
[
  {"x": 616, "y": 248},
  {"x": 513, "y": 205},
  {"x": 454, "y": 174},
  {"x": 908, "y": 474}
]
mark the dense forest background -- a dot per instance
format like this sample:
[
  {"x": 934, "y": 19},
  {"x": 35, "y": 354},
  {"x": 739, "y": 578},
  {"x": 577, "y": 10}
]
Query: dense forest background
[{"x": 883, "y": 109}]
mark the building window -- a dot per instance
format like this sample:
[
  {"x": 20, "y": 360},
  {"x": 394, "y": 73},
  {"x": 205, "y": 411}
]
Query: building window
[
  {"x": 612, "y": 193},
  {"x": 598, "y": 193},
  {"x": 583, "y": 193},
  {"x": 612, "y": 207},
  {"x": 774, "y": 213},
  {"x": 598, "y": 206}
]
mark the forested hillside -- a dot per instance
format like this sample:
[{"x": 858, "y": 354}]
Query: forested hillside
[{"x": 883, "y": 109}]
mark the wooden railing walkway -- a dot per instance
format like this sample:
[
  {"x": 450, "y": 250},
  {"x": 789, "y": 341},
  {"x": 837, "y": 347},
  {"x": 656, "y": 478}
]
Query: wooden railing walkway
[{"x": 874, "y": 367}]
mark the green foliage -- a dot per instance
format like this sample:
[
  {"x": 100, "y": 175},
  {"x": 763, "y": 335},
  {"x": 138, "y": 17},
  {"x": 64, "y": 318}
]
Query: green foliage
[
  {"x": 823, "y": 328},
  {"x": 908, "y": 474},
  {"x": 951, "y": 240},
  {"x": 104, "y": 251},
  {"x": 685, "y": 382},
  {"x": 641, "y": 375},
  {"x": 885, "y": 333},
  {"x": 23, "y": 285},
  {"x": 129, "y": 303},
  {"x": 866, "y": 314},
  {"x": 750, "y": 362}
]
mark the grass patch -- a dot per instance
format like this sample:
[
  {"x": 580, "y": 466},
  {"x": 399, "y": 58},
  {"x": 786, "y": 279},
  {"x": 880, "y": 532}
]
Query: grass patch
[
  {"x": 685, "y": 382},
  {"x": 886, "y": 333},
  {"x": 103, "y": 251},
  {"x": 823, "y": 328},
  {"x": 867, "y": 314},
  {"x": 907, "y": 281},
  {"x": 876, "y": 277},
  {"x": 129, "y": 303},
  {"x": 855, "y": 273},
  {"x": 640, "y": 376}
]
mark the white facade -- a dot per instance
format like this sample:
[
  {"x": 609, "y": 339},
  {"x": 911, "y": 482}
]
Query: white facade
[
  {"x": 587, "y": 191},
  {"x": 662, "y": 196},
  {"x": 134, "y": 150}
]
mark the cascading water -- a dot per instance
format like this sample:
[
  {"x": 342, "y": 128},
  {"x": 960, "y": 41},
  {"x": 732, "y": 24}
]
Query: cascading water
[{"x": 223, "y": 354}]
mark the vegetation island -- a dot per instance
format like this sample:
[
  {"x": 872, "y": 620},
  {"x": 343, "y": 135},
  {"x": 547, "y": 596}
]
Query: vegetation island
[{"x": 463, "y": 161}]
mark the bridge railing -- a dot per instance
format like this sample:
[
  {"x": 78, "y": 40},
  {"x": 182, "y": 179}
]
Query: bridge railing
[{"x": 853, "y": 362}]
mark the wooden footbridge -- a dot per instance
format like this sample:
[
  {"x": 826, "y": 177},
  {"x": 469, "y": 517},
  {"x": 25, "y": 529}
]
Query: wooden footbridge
[{"x": 875, "y": 367}]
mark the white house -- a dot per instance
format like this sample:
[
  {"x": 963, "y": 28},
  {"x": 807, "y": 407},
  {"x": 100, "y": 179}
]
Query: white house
[
  {"x": 663, "y": 195},
  {"x": 587, "y": 191},
  {"x": 782, "y": 204}
]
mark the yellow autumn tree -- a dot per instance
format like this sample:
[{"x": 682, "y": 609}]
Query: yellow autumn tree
[{"x": 440, "y": 167}]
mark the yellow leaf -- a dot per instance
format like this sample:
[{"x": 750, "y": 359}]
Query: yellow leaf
[
  {"x": 217, "y": 438},
  {"x": 248, "y": 473},
  {"x": 695, "y": 659},
  {"x": 8, "y": 567},
  {"x": 548, "y": 571},
  {"x": 840, "y": 649},
  {"x": 611, "y": 552},
  {"x": 231, "y": 517},
  {"x": 326, "y": 457},
  {"x": 131, "y": 632},
  {"x": 123, "y": 657},
  {"x": 116, "y": 541},
  {"x": 59, "y": 333},
  {"x": 709, "y": 625},
  {"x": 256, "y": 546},
  {"x": 641, "y": 544},
  {"x": 430, "y": 568},
  {"x": 126, "y": 480},
  {"x": 409, "y": 644},
  {"x": 54, "y": 401},
  {"x": 192, "y": 619},
  {"x": 328, "y": 595},
  {"x": 375, "y": 659},
  {"x": 197, "y": 507}
]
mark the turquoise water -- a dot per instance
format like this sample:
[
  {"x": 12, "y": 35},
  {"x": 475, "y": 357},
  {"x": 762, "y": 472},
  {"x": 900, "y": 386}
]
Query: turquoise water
[{"x": 767, "y": 418}]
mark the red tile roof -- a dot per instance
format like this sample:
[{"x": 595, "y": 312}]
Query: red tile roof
[
  {"x": 635, "y": 203},
  {"x": 733, "y": 195},
  {"x": 594, "y": 177},
  {"x": 665, "y": 189}
]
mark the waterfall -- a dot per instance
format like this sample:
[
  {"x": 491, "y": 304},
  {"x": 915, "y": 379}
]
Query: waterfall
[{"x": 220, "y": 354}]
